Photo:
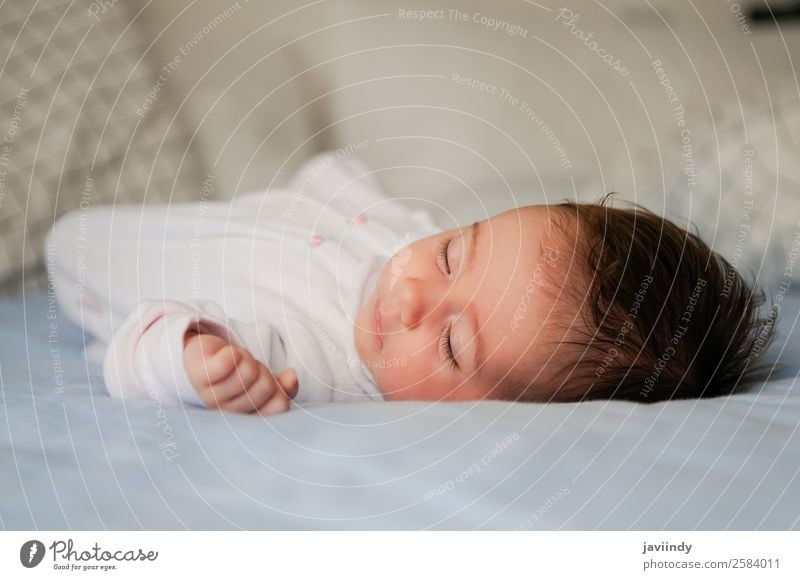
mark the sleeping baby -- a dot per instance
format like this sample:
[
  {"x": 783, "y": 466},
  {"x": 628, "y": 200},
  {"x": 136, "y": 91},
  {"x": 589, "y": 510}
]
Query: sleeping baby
[{"x": 327, "y": 291}]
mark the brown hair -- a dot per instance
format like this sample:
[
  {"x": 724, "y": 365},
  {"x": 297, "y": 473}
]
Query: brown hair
[{"x": 664, "y": 316}]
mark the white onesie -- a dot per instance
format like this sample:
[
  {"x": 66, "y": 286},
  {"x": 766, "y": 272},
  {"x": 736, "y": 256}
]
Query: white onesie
[{"x": 282, "y": 273}]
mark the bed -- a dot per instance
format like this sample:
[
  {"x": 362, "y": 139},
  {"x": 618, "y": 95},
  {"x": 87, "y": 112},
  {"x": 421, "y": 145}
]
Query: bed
[{"x": 74, "y": 458}]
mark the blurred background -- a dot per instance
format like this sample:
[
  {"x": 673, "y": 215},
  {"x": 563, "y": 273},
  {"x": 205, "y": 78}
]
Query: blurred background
[{"x": 464, "y": 108}]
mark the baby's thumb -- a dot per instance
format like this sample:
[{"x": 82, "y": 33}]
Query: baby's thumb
[{"x": 288, "y": 382}]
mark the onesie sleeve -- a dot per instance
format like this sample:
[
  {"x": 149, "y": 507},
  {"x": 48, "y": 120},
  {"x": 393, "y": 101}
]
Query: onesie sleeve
[{"x": 145, "y": 357}]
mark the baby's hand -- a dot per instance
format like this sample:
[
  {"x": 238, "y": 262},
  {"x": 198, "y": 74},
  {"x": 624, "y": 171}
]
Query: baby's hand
[{"x": 228, "y": 378}]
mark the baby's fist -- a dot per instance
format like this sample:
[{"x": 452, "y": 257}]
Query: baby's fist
[{"x": 228, "y": 378}]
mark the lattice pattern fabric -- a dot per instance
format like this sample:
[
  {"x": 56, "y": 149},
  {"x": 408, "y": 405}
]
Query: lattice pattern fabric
[{"x": 72, "y": 131}]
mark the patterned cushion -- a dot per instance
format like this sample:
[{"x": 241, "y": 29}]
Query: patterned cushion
[{"x": 72, "y": 129}]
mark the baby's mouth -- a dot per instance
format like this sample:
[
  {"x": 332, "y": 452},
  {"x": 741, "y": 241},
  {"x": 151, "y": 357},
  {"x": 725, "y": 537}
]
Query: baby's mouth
[{"x": 376, "y": 325}]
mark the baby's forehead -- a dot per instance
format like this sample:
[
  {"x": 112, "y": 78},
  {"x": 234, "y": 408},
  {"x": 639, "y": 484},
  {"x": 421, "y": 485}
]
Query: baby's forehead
[
  {"x": 536, "y": 233},
  {"x": 545, "y": 221},
  {"x": 528, "y": 295}
]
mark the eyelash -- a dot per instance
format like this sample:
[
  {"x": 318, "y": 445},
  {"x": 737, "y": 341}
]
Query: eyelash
[
  {"x": 444, "y": 341},
  {"x": 446, "y": 347},
  {"x": 441, "y": 255}
]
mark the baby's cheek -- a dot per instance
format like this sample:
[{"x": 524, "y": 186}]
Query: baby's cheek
[
  {"x": 396, "y": 374},
  {"x": 389, "y": 384},
  {"x": 416, "y": 362},
  {"x": 398, "y": 379}
]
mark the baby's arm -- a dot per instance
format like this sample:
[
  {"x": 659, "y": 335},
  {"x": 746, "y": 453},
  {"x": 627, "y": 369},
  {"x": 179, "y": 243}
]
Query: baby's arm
[
  {"x": 181, "y": 352},
  {"x": 228, "y": 378}
]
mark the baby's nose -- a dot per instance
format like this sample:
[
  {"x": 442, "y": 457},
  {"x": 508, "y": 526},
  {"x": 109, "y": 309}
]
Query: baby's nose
[{"x": 412, "y": 302}]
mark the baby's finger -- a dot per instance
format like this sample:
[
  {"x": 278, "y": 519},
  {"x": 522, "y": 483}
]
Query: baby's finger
[
  {"x": 236, "y": 383},
  {"x": 262, "y": 389},
  {"x": 197, "y": 349},
  {"x": 220, "y": 366},
  {"x": 278, "y": 404},
  {"x": 215, "y": 396},
  {"x": 287, "y": 379},
  {"x": 247, "y": 371}
]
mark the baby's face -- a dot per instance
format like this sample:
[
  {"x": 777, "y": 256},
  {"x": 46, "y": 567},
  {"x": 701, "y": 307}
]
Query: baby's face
[{"x": 452, "y": 314}]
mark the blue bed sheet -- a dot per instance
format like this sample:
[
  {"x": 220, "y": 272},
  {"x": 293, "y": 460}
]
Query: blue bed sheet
[{"x": 73, "y": 458}]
